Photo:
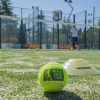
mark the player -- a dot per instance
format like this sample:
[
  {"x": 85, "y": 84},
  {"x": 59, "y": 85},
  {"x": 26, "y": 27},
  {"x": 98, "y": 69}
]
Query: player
[{"x": 74, "y": 37}]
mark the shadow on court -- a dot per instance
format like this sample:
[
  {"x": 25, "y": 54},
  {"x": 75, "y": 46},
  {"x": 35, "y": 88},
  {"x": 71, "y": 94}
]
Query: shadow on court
[{"x": 62, "y": 95}]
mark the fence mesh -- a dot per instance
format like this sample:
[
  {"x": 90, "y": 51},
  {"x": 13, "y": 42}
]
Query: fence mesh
[{"x": 36, "y": 27}]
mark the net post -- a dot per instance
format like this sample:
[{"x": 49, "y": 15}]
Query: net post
[
  {"x": 0, "y": 32},
  {"x": 73, "y": 18},
  {"x": 85, "y": 40}
]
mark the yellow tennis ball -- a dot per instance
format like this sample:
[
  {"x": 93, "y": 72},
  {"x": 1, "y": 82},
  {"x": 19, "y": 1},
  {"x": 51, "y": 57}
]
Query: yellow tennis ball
[
  {"x": 71, "y": 49},
  {"x": 37, "y": 49},
  {"x": 52, "y": 77}
]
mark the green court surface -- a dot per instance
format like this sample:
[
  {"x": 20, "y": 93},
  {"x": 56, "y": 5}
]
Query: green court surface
[{"x": 19, "y": 75}]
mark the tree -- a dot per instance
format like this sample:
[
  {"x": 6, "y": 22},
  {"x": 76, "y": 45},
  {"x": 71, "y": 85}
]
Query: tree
[
  {"x": 5, "y": 7},
  {"x": 64, "y": 32}
]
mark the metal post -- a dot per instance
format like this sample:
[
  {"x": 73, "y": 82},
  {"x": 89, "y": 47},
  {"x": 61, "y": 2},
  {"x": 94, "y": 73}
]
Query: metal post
[
  {"x": 71, "y": 10},
  {"x": 93, "y": 14},
  {"x": 73, "y": 18},
  {"x": 33, "y": 26},
  {"x": 58, "y": 34},
  {"x": 21, "y": 30},
  {"x": 41, "y": 30},
  {"x": 53, "y": 33},
  {"x": 93, "y": 25},
  {"x": 74, "y": 22},
  {"x": 67, "y": 33},
  {"x": 90, "y": 35},
  {"x": 90, "y": 32},
  {"x": 99, "y": 38},
  {"x": 85, "y": 40},
  {"x": 38, "y": 30}
]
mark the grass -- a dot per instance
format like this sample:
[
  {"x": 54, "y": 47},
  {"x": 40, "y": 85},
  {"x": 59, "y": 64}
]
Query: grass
[{"x": 19, "y": 75}]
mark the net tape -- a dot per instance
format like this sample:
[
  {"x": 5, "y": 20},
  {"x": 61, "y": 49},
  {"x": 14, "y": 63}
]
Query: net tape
[{"x": 39, "y": 20}]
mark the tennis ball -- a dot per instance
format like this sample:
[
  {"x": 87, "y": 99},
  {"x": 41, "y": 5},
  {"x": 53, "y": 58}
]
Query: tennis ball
[
  {"x": 71, "y": 49},
  {"x": 29, "y": 49},
  {"x": 52, "y": 77},
  {"x": 37, "y": 49}
]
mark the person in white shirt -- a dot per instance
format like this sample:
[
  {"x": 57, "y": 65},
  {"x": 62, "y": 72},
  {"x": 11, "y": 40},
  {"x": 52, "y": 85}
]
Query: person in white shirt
[{"x": 74, "y": 37}]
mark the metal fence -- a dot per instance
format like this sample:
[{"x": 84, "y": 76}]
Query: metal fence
[{"x": 16, "y": 33}]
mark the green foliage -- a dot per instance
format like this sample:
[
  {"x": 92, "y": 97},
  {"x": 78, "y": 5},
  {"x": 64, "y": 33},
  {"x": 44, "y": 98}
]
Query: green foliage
[{"x": 5, "y": 8}]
